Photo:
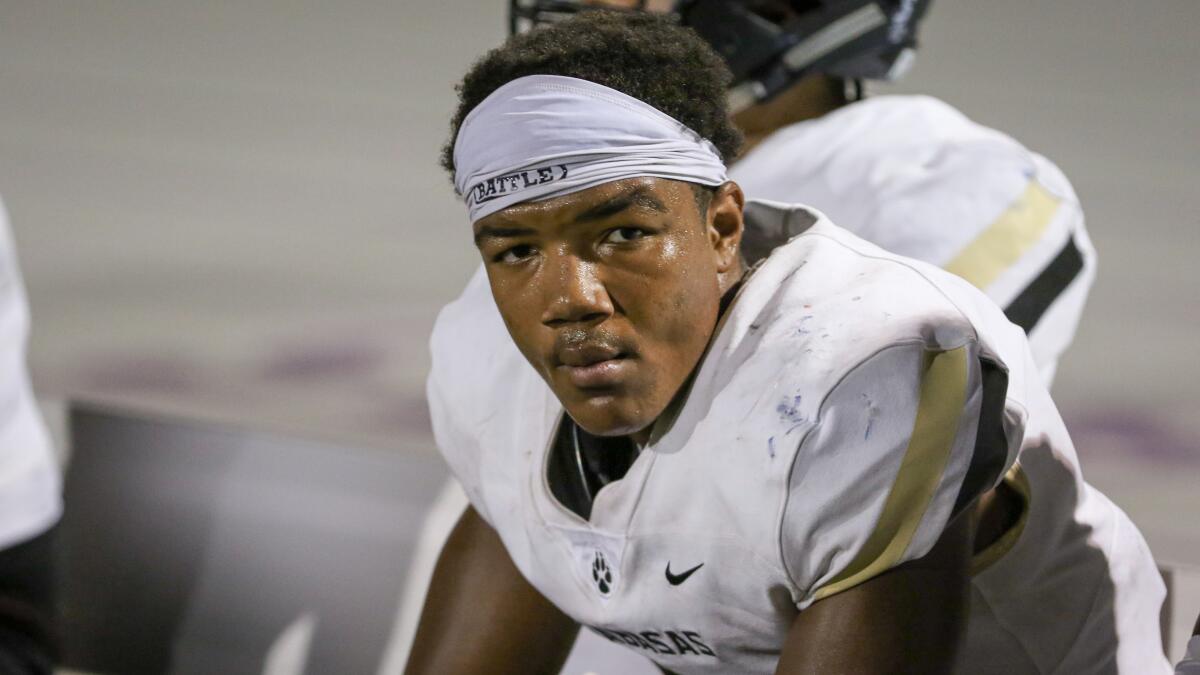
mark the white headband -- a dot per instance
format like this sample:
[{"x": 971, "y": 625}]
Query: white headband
[{"x": 544, "y": 136}]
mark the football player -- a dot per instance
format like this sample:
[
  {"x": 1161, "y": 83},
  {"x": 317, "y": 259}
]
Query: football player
[
  {"x": 30, "y": 501},
  {"x": 908, "y": 173},
  {"x": 776, "y": 457}
]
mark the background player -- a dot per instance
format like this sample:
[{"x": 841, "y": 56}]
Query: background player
[
  {"x": 30, "y": 504},
  {"x": 908, "y": 173}
]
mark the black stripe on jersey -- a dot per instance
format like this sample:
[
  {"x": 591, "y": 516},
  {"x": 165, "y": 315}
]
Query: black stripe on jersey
[
  {"x": 991, "y": 444},
  {"x": 1027, "y": 309}
]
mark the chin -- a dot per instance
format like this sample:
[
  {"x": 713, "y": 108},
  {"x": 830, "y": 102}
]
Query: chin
[{"x": 607, "y": 416}]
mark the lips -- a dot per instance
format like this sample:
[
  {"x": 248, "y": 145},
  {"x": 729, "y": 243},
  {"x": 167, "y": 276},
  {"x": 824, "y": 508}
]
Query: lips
[
  {"x": 587, "y": 354},
  {"x": 593, "y": 366}
]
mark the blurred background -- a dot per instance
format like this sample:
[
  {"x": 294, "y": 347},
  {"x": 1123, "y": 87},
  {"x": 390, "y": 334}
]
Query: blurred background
[{"x": 233, "y": 211}]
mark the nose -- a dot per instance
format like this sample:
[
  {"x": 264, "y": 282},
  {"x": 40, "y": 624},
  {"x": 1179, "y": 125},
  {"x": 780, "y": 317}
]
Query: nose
[{"x": 574, "y": 292}]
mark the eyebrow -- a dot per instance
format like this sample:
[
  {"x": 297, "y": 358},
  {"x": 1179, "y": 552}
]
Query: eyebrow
[
  {"x": 639, "y": 196},
  {"x": 490, "y": 232}
]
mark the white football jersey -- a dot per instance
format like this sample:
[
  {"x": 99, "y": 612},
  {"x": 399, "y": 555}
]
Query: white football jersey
[
  {"x": 852, "y": 401},
  {"x": 30, "y": 500},
  {"x": 916, "y": 177}
]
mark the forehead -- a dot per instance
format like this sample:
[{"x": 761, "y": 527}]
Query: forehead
[{"x": 644, "y": 194}]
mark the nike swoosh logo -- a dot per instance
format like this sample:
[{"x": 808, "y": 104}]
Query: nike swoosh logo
[{"x": 676, "y": 579}]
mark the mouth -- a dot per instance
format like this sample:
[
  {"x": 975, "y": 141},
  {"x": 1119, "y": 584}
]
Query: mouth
[{"x": 594, "y": 366}]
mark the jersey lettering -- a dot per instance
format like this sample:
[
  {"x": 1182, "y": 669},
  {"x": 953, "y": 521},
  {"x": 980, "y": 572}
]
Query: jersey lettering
[
  {"x": 695, "y": 639},
  {"x": 682, "y": 644},
  {"x": 686, "y": 642}
]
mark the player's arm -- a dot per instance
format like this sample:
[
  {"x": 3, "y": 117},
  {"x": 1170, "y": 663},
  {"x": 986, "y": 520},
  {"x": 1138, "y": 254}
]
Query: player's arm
[
  {"x": 908, "y": 619},
  {"x": 482, "y": 616}
]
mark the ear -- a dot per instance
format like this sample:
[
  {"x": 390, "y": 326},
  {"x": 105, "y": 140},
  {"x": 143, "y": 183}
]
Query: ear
[{"x": 725, "y": 226}]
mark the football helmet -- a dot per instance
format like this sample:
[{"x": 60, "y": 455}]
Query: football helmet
[{"x": 770, "y": 44}]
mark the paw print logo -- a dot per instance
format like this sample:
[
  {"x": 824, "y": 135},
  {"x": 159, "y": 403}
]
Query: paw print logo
[{"x": 601, "y": 574}]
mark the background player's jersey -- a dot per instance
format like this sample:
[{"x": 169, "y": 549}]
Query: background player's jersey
[
  {"x": 30, "y": 500},
  {"x": 916, "y": 177},
  {"x": 851, "y": 403}
]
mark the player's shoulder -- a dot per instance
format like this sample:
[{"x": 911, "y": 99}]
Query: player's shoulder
[
  {"x": 479, "y": 385},
  {"x": 828, "y": 304},
  {"x": 881, "y": 125},
  {"x": 852, "y": 296},
  {"x": 922, "y": 114},
  {"x": 916, "y": 138},
  {"x": 472, "y": 355},
  {"x": 903, "y": 121},
  {"x": 911, "y": 173}
]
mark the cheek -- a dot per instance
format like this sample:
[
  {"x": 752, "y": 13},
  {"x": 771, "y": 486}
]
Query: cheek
[
  {"x": 520, "y": 313},
  {"x": 689, "y": 313},
  {"x": 693, "y": 292},
  {"x": 681, "y": 305}
]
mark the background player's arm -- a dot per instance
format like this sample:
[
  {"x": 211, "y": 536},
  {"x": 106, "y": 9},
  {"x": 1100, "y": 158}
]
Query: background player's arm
[
  {"x": 909, "y": 619},
  {"x": 482, "y": 616}
]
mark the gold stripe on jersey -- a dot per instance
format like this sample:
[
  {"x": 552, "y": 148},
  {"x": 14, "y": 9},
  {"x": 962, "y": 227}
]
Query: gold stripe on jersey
[
  {"x": 943, "y": 395},
  {"x": 1018, "y": 481},
  {"x": 1003, "y": 243}
]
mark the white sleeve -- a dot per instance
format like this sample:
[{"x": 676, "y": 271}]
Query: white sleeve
[
  {"x": 30, "y": 500},
  {"x": 1051, "y": 303},
  {"x": 904, "y": 442},
  {"x": 1035, "y": 260}
]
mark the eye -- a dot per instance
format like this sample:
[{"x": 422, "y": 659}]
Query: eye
[
  {"x": 514, "y": 255},
  {"x": 623, "y": 235}
]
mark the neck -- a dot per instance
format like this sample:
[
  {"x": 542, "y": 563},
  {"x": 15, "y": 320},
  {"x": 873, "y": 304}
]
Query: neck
[
  {"x": 641, "y": 438},
  {"x": 812, "y": 97}
]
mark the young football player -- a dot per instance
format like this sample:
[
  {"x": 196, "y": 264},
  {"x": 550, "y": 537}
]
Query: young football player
[
  {"x": 908, "y": 173},
  {"x": 957, "y": 194},
  {"x": 772, "y": 458}
]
